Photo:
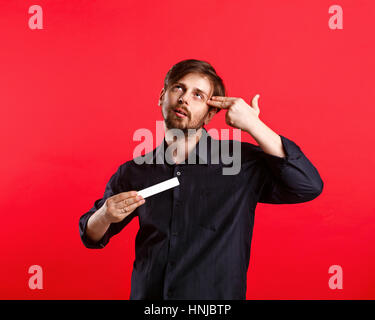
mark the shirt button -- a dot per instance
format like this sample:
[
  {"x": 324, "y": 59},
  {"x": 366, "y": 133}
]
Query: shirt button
[
  {"x": 172, "y": 263},
  {"x": 178, "y": 173},
  {"x": 169, "y": 293}
]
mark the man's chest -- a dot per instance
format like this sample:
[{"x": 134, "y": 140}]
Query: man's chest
[{"x": 204, "y": 198}]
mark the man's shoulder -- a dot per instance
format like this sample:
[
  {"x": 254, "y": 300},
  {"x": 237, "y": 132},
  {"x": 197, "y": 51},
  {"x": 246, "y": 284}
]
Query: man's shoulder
[
  {"x": 246, "y": 150},
  {"x": 145, "y": 159}
]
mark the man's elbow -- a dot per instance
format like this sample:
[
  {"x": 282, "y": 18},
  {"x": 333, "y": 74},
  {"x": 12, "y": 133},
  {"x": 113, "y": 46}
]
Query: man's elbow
[
  {"x": 90, "y": 244},
  {"x": 316, "y": 190}
]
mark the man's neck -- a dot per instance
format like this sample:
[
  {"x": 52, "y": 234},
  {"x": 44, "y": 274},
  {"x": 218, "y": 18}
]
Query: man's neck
[{"x": 182, "y": 146}]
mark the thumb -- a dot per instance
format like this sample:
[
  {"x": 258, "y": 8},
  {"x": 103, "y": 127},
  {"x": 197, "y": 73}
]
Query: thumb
[{"x": 254, "y": 102}]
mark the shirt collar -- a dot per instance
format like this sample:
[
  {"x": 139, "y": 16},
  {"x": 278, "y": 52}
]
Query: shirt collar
[{"x": 199, "y": 153}]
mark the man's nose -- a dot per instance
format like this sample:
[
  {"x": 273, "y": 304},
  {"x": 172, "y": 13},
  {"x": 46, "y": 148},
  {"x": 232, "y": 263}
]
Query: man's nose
[{"x": 183, "y": 98}]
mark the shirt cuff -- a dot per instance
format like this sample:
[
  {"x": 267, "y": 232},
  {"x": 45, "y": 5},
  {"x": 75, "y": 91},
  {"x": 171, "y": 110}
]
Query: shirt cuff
[
  {"x": 292, "y": 152},
  {"x": 88, "y": 243}
]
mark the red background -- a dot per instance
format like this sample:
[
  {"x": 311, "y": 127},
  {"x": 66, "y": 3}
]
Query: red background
[{"x": 73, "y": 94}]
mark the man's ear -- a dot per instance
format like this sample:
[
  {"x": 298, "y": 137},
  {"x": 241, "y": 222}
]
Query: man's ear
[
  {"x": 161, "y": 97},
  {"x": 210, "y": 114}
]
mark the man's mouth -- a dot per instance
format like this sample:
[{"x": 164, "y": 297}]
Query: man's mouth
[{"x": 180, "y": 113}]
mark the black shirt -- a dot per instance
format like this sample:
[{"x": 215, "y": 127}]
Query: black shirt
[{"x": 194, "y": 240}]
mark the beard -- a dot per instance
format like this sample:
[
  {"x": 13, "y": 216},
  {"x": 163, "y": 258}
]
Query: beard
[{"x": 184, "y": 124}]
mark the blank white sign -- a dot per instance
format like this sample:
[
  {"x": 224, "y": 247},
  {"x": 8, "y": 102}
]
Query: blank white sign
[{"x": 160, "y": 187}]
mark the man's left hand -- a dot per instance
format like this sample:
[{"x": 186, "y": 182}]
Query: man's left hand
[{"x": 239, "y": 114}]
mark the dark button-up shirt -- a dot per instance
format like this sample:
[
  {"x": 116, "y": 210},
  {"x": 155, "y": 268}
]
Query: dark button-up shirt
[{"x": 194, "y": 240}]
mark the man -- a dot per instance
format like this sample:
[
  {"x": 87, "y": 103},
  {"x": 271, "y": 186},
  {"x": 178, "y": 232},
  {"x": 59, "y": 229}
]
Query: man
[{"x": 194, "y": 240}]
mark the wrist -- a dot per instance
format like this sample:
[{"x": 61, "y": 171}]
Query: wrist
[
  {"x": 252, "y": 126},
  {"x": 102, "y": 215}
]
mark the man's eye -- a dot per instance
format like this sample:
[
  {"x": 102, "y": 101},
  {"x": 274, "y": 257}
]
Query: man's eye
[{"x": 199, "y": 95}]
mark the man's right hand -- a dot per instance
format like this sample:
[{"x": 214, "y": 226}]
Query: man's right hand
[{"x": 119, "y": 206}]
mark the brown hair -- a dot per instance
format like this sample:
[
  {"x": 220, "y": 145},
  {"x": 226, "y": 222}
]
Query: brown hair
[{"x": 184, "y": 67}]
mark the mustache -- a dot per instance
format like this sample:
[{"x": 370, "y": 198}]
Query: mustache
[{"x": 184, "y": 110}]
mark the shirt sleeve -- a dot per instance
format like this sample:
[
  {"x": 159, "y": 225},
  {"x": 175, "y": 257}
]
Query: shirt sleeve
[
  {"x": 113, "y": 187},
  {"x": 292, "y": 179}
]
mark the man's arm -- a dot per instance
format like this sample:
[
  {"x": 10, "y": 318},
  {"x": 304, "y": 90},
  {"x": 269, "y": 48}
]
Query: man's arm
[
  {"x": 289, "y": 179},
  {"x": 288, "y": 176},
  {"x": 111, "y": 213},
  {"x": 97, "y": 226},
  {"x": 268, "y": 140},
  {"x": 114, "y": 210}
]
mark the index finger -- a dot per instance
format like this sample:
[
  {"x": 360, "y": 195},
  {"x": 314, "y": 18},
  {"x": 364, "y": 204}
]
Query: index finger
[
  {"x": 223, "y": 104},
  {"x": 124, "y": 195},
  {"x": 222, "y": 98}
]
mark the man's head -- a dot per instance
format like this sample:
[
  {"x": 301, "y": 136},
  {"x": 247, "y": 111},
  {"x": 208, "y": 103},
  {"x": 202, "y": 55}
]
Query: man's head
[{"x": 188, "y": 86}]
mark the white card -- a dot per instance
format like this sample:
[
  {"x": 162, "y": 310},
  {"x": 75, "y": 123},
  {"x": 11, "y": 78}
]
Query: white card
[{"x": 160, "y": 187}]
